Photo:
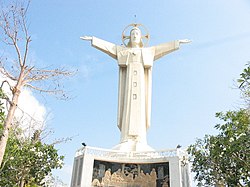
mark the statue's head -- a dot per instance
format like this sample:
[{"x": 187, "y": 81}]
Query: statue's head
[
  {"x": 135, "y": 38},
  {"x": 136, "y": 34}
]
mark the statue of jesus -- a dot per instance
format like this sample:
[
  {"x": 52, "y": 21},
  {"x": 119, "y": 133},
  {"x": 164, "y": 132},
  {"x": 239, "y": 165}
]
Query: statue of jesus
[{"x": 135, "y": 83}]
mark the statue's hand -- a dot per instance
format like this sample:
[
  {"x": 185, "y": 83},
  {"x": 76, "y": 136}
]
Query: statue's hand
[
  {"x": 184, "y": 41},
  {"x": 89, "y": 38}
]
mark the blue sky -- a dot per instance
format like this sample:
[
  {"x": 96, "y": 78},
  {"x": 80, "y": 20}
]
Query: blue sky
[{"x": 189, "y": 85}]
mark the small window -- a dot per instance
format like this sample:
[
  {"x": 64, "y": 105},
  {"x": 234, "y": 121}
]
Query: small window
[{"x": 134, "y": 96}]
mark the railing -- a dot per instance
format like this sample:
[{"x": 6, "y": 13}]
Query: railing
[{"x": 108, "y": 153}]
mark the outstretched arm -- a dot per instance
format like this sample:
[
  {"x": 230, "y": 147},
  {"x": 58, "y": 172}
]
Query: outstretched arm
[
  {"x": 102, "y": 45},
  {"x": 166, "y": 48}
]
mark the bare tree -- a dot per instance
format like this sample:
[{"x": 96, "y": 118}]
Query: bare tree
[{"x": 16, "y": 65}]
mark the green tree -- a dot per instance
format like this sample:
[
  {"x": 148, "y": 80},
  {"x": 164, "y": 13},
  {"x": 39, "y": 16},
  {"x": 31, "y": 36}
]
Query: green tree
[
  {"x": 224, "y": 158},
  {"x": 27, "y": 161}
]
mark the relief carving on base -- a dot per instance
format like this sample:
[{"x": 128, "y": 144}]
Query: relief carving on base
[{"x": 127, "y": 179}]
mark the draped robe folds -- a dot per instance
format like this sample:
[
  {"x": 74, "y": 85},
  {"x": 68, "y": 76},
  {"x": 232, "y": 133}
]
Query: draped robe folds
[{"x": 135, "y": 84}]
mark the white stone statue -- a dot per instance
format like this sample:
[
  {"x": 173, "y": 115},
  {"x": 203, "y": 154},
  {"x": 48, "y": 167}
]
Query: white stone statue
[{"x": 135, "y": 83}]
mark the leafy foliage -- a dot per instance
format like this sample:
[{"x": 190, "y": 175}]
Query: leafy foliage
[
  {"x": 224, "y": 158},
  {"x": 28, "y": 161},
  {"x": 244, "y": 82}
]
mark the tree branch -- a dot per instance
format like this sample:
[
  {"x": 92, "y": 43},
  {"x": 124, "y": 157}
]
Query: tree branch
[
  {"x": 7, "y": 74},
  {"x": 42, "y": 74},
  {"x": 55, "y": 91}
]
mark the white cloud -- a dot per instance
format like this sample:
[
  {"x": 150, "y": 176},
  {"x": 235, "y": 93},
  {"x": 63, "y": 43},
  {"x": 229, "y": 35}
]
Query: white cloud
[{"x": 30, "y": 113}]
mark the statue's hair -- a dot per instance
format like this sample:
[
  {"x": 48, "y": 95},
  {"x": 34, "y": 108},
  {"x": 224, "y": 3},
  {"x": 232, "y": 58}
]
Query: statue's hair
[{"x": 141, "y": 42}]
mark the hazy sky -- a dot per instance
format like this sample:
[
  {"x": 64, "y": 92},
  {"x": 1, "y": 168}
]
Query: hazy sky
[{"x": 189, "y": 85}]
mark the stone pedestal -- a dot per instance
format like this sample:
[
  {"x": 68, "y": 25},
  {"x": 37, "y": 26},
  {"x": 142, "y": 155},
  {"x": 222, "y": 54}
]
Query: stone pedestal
[{"x": 113, "y": 168}]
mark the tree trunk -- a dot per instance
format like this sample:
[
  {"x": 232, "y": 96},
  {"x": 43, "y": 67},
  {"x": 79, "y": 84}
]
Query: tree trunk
[
  {"x": 8, "y": 120},
  {"x": 22, "y": 183}
]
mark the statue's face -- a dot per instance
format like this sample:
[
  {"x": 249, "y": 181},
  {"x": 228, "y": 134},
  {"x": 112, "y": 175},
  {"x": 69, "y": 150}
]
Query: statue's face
[{"x": 135, "y": 36}]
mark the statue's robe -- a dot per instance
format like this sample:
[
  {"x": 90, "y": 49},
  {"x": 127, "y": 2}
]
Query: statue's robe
[{"x": 135, "y": 84}]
